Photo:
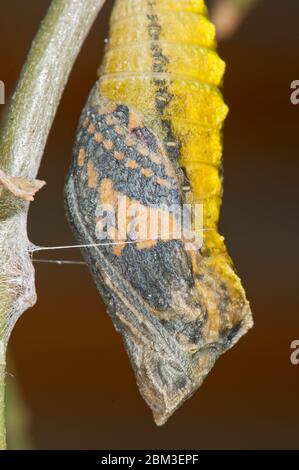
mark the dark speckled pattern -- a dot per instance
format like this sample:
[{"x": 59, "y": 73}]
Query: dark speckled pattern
[
  {"x": 129, "y": 182},
  {"x": 153, "y": 272}
]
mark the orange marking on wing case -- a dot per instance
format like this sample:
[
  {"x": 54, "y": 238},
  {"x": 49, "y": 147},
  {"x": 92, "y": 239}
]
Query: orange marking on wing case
[
  {"x": 119, "y": 155},
  {"x": 120, "y": 130},
  {"x": 132, "y": 164},
  {"x": 134, "y": 121},
  {"x": 147, "y": 172},
  {"x": 146, "y": 244},
  {"x": 129, "y": 141},
  {"x": 92, "y": 175},
  {"x": 155, "y": 158},
  {"x": 143, "y": 150},
  {"x": 107, "y": 195},
  {"x": 110, "y": 120},
  {"x": 81, "y": 157},
  {"x": 99, "y": 137},
  {"x": 163, "y": 182},
  {"x": 117, "y": 249},
  {"x": 108, "y": 144},
  {"x": 91, "y": 128}
]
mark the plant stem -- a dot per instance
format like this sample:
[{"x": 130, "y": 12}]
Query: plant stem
[
  {"x": 2, "y": 395},
  {"x": 22, "y": 141}
]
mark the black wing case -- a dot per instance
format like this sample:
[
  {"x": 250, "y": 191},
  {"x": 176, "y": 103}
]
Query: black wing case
[{"x": 166, "y": 310}]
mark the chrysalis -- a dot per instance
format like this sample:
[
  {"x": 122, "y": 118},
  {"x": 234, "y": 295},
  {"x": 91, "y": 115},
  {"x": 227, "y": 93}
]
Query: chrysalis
[{"x": 150, "y": 137}]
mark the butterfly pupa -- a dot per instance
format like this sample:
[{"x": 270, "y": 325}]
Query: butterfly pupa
[{"x": 150, "y": 137}]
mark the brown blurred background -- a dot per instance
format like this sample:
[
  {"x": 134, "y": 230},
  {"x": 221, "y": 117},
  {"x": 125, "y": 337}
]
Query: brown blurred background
[{"x": 67, "y": 362}]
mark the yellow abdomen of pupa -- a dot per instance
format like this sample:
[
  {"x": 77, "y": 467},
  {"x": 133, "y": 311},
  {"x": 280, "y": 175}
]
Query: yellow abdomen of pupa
[{"x": 161, "y": 61}]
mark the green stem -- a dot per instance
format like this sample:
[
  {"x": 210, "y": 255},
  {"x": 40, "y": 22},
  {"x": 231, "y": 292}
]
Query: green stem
[{"x": 22, "y": 141}]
